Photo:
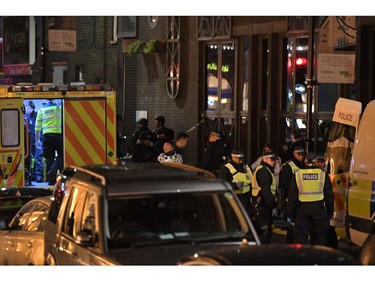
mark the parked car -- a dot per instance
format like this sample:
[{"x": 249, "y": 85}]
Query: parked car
[
  {"x": 12, "y": 199},
  {"x": 159, "y": 214},
  {"x": 22, "y": 241}
]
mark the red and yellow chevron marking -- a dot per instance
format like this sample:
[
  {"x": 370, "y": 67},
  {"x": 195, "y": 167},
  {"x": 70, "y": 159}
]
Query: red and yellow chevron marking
[
  {"x": 111, "y": 130},
  {"x": 85, "y": 132}
]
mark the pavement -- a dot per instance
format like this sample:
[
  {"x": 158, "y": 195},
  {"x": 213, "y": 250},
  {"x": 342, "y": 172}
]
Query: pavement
[{"x": 279, "y": 237}]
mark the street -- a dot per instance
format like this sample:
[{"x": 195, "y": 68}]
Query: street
[{"x": 279, "y": 237}]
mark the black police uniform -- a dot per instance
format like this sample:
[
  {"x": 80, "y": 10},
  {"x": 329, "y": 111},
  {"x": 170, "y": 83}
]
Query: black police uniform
[
  {"x": 311, "y": 216},
  {"x": 266, "y": 204},
  {"x": 215, "y": 154}
]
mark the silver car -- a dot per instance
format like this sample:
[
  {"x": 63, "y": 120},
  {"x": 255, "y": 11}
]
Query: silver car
[{"x": 22, "y": 241}]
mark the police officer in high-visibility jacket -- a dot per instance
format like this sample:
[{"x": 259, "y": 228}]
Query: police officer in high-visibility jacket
[
  {"x": 48, "y": 121},
  {"x": 310, "y": 205},
  {"x": 263, "y": 195},
  {"x": 288, "y": 169},
  {"x": 239, "y": 174}
]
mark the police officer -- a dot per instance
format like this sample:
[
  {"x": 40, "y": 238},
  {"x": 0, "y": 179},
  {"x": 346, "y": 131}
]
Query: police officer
[
  {"x": 215, "y": 154},
  {"x": 286, "y": 175},
  {"x": 263, "y": 195},
  {"x": 143, "y": 150},
  {"x": 310, "y": 205},
  {"x": 48, "y": 121},
  {"x": 142, "y": 125},
  {"x": 239, "y": 174}
]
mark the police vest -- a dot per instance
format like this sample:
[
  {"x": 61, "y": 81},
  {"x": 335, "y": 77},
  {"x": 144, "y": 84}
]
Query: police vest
[
  {"x": 49, "y": 120},
  {"x": 241, "y": 177},
  {"x": 292, "y": 165},
  {"x": 255, "y": 186},
  {"x": 310, "y": 183}
]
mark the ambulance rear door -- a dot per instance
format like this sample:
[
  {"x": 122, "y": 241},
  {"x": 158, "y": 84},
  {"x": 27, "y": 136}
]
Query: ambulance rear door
[
  {"x": 85, "y": 128},
  {"x": 12, "y": 142}
]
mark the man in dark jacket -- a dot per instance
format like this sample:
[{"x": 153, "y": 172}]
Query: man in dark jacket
[
  {"x": 310, "y": 205},
  {"x": 263, "y": 195},
  {"x": 215, "y": 154},
  {"x": 143, "y": 149},
  {"x": 142, "y": 127}
]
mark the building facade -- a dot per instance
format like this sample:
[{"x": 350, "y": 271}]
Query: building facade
[{"x": 255, "y": 79}]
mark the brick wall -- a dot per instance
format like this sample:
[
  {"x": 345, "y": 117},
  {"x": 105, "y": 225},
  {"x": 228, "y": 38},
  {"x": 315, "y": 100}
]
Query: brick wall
[{"x": 149, "y": 92}]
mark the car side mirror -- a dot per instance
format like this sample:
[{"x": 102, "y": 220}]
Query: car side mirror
[{"x": 85, "y": 238}]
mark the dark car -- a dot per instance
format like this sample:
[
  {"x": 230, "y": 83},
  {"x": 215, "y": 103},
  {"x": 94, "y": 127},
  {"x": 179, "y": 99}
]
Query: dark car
[{"x": 159, "y": 214}]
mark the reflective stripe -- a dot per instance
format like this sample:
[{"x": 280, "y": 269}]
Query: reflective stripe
[
  {"x": 241, "y": 177},
  {"x": 255, "y": 186},
  {"x": 310, "y": 183}
]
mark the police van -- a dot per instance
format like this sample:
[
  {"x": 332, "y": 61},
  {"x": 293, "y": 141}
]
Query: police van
[{"x": 350, "y": 163}]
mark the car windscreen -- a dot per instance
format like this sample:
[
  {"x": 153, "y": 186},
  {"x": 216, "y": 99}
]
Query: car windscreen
[{"x": 174, "y": 218}]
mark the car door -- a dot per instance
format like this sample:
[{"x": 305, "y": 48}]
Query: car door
[{"x": 81, "y": 214}]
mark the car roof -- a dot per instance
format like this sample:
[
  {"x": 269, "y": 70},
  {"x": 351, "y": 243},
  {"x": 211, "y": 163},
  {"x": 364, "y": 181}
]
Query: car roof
[{"x": 136, "y": 178}]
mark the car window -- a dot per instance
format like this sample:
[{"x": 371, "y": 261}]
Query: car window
[
  {"x": 89, "y": 216},
  {"x": 21, "y": 218},
  {"x": 195, "y": 216},
  {"x": 37, "y": 218},
  {"x": 72, "y": 222}
]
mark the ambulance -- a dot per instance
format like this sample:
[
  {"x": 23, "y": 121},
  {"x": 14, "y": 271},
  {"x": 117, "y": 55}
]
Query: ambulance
[
  {"x": 361, "y": 194},
  {"x": 350, "y": 163},
  {"x": 88, "y": 126}
]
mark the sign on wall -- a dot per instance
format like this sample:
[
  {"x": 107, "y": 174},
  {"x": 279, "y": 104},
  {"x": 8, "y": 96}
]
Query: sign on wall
[
  {"x": 336, "y": 68},
  {"x": 62, "y": 40}
]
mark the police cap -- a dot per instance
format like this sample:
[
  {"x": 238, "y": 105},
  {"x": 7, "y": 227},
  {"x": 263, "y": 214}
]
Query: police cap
[
  {"x": 215, "y": 133},
  {"x": 237, "y": 153},
  {"x": 269, "y": 154},
  {"x": 143, "y": 122},
  {"x": 299, "y": 149}
]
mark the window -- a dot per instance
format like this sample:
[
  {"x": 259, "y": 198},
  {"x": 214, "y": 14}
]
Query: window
[
  {"x": 72, "y": 222},
  {"x": 9, "y": 121},
  {"x": 220, "y": 73}
]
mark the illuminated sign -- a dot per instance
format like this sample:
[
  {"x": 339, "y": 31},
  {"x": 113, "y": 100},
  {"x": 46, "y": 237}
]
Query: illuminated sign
[{"x": 213, "y": 66}]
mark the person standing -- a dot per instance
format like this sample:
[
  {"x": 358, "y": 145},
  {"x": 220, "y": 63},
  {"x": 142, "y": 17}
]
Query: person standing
[
  {"x": 34, "y": 153},
  {"x": 48, "y": 121},
  {"x": 142, "y": 124},
  {"x": 169, "y": 155},
  {"x": 286, "y": 175},
  {"x": 143, "y": 149},
  {"x": 239, "y": 175},
  {"x": 160, "y": 123},
  {"x": 180, "y": 143},
  {"x": 268, "y": 148},
  {"x": 263, "y": 195},
  {"x": 310, "y": 205},
  {"x": 215, "y": 154}
]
